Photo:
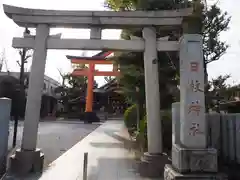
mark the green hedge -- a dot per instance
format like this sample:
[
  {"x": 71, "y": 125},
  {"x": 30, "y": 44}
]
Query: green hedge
[
  {"x": 130, "y": 118},
  {"x": 167, "y": 131},
  {"x": 141, "y": 136}
]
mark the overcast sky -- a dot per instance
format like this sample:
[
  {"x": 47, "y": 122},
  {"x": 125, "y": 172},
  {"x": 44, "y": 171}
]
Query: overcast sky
[{"x": 229, "y": 63}]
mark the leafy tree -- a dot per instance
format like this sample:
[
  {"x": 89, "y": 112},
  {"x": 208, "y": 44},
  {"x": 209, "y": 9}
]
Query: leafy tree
[
  {"x": 233, "y": 93},
  {"x": 214, "y": 22},
  {"x": 77, "y": 82},
  {"x": 131, "y": 64},
  {"x": 221, "y": 93},
  {"x": 126, "y": 5},
  {"x": 73, "y": 87},
  {"x": 219, "y": 90},
  {"x": 219, "y": 83}
]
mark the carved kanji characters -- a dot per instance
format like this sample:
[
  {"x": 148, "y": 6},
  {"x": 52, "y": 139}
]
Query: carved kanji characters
[
  {"x": 194, "y": 66},
  {"x": 195, "y": 107},
  {"x": 195, "y": 86},
  {"x": 195, "y": 129}
]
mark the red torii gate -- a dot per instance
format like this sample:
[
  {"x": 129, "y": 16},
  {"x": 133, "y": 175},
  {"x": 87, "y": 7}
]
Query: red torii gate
[{"x": 99, "y": 58}]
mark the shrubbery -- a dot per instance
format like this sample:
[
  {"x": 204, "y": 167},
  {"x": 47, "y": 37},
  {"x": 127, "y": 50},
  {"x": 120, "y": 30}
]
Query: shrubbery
[
  {"x": 167, "y": 130},
  {"x": 141, "y": 135},
  {"x": 130, "y": 118}
]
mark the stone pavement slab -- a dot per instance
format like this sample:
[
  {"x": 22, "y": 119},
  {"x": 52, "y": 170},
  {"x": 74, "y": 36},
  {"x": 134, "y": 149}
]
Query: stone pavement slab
[
  {"x": 109, "y": 157},
  {"x": 55, "y": 137}
]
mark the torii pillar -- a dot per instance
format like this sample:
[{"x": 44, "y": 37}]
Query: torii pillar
[
  {"x": 89, "y": 115},
  {"x": 28, "y": 158},
  {"x": 153, "y": 162},
  {"x": 100, "y": 58}
]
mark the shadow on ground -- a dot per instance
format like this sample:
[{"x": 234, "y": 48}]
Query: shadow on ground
[
  {"x": 106, "y": 169},
  {"x": 128, "y": 143}
]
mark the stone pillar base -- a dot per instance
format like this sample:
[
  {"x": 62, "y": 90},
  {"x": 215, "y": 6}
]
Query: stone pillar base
[
  {"x": 152, "y": 165},
  {"x": 194, "y": 160},
  {"x": 26, "y": 162},
  {"x": 171, "y": 174},
  {"x": 90, "y": 117}
]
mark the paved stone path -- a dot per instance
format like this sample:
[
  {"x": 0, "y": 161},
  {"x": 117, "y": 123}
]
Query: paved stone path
[
  {"x": 109, "y": 157},
  {"x": 55, "y": 137}
]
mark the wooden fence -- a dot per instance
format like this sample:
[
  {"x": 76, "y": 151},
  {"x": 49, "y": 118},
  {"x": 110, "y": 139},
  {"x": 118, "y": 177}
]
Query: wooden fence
[{"x": 224, "y": 135}]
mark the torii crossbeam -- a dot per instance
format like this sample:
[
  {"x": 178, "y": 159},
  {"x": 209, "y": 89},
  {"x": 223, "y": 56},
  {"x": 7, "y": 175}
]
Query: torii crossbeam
[{"x": 99, "y": 58}]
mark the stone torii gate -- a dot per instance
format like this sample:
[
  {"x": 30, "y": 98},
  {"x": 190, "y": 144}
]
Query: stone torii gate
[
  {"x": 193, "y": 134},
  {"x": 100, "y": 58}
]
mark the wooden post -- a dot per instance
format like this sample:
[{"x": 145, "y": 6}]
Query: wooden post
[{"x": 85, "y": 163}]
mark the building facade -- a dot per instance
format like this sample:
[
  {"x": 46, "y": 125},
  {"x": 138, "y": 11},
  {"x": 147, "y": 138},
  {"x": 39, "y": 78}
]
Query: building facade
[
  {"x": 49, "y": 83},
  {"x": 49, "y": 97}
]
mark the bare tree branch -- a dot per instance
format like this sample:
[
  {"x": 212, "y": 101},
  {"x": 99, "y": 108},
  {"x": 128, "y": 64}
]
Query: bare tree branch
[
  {"x": 60, "y": 72},
  {"x": 19, "y": 63},
  {"x": 25, "y": 59},
  {"x": 4, "y": 59},
  {"x": 20, "y": 52}
]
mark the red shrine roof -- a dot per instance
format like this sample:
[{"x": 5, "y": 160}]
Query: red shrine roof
[{"x": 99, "y": 56}]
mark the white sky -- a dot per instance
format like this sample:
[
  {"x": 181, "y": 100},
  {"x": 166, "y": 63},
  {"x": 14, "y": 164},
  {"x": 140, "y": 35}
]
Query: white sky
[{"x": 56, "y": 59}]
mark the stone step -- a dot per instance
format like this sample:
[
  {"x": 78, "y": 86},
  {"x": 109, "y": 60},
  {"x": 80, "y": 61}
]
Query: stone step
[
  {"x": 152, "y": 165},
  {"x": 171, "y": 174}
]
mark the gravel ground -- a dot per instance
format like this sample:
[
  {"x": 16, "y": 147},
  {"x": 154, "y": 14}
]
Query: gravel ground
[{"x": 55, "y": 137}]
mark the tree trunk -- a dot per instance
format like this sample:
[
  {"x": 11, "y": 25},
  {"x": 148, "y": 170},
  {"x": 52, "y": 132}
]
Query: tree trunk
[{"x": 21, "y": 78}]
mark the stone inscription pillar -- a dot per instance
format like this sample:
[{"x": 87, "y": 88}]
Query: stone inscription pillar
[
  {"x": 192, "y": 108},
  {"x": 191, "y": 159}
]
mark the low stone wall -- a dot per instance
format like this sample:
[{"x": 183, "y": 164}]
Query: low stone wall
[{"x": 224, "y": 135}]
